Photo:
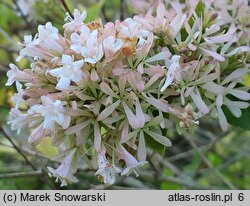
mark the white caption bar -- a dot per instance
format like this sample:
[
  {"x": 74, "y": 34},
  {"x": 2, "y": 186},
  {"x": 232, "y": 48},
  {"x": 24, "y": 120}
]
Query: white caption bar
[{"x": 125, "y": 198}]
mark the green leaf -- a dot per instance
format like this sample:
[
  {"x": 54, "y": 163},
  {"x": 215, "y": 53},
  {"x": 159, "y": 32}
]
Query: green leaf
[
  {"x": 214, "y": 158},
  {"x": 191, "y": 168},
  {"x": 242, "y": 121},
  {"x": 155, "y": 121},
  {"x": 6, "y": 15},
  {"x": 200, "y": 8},
  {"x": 156, "y": 146},
  {"x": 170, "y": 186},
  {"x": 3, "y": 114},
  {"x": 106, "y": 112},
  {"x": 142, "y": 151},
  {"x": 131, "y": 135},
  {"x": 93, "y": 12},
  {"x": 184, "y": 34},
  {"x": 246, "y": 80},
  {"x": 159, "y": 138},
  {"x": 47, "y": 148}
]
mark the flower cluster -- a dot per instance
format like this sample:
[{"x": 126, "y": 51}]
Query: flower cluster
[{"x": 104, "y": 93}]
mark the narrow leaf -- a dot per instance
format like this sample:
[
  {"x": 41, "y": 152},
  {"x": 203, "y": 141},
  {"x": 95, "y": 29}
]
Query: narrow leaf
[
  {"x": 107, "y": 90},
  {"x": 141, "y": 152},
  {"x": 159, "y": 138},
  {"x": 106, "y": 112}
]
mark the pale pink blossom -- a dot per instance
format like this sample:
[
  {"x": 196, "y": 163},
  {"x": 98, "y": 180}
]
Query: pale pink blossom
[
  {"x": 75, "y": 23},
  {"x": 65, "y": 172},
  {"x": 48, "y": 37},
  {"x": 18, "y": 120},
  {"x": 131, "y": 162},
  {"x": 106, "y": 171},
  {"x": 32, "y": 49},
  {"x": 17, "y": 75}
]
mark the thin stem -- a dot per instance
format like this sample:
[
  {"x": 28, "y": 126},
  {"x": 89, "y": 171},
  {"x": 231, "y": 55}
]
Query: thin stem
[
  {"x": 7, "y": 37},
  {"x": 208, "y": 163},
  {"x": 103, "y": 12},
  {"x": 22, "y": 14},
  {"x": 21, "y": 174},
  {"x": 31, "y": 152},
  {"x": 3, "y": 68},
  {"x": 185, "y": 183},
  {"x": 65, "y": 6},
  {"x": 121, "y": 10},
  {"x": 44, "y": 179},
  {"x": 18, "y": 149},
  {"x": 188, "y": 153}
]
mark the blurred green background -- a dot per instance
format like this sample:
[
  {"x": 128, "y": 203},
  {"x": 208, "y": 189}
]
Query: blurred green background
[{"x": 207, "y": 159}]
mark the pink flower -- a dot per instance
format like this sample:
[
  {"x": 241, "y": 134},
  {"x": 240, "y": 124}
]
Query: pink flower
[
  {"x": 132, "y": 28},
  {"x": 32, "y": 49},
  {"x": 49, "y": 37},
  {"x": 65, "y": 171},
  {"x": 17, "y": 75},
  {"x": 130, "y": 161},
  {"x": 106, "y": 171},
  {"x": 104, "y": 86},
  {"x": 18, "y": 120},
  {"x": 36, "y": 135},
  {"x": 142, "y": 6},
  {"x": 75, "y": 24}
]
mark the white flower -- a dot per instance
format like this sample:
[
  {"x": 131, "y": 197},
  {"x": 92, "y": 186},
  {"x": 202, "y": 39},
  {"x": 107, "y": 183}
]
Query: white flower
[
  {"x": 18, "y": 120},
  {"x": 130, "y": 161},
  {"x": 47, "y": 31},
  {"x": 174, "y": 68},
  {"x": 70, "y": 71},
  {"x": 76, "y": 23},
  {"x": 49, "y": 37},
  {"x": 79, "y": 40},
  {"x": 93, "y": 50},
  {"x": 65, "y": 171},
  {"x": 52, "y": 111},
  {"x": 18, "y": 97},
  {"x": 16, "y": 75},
  {"x": 31, "y": 48},
  {"x": 106, "y": 171}
]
